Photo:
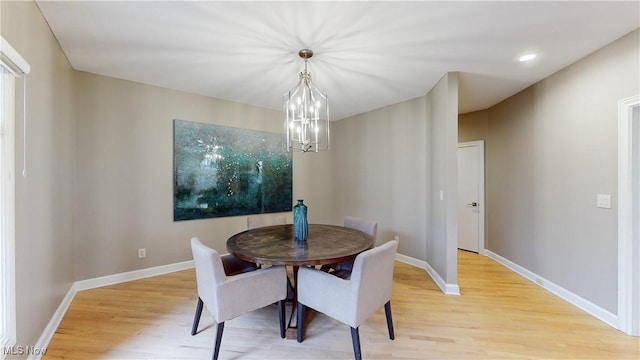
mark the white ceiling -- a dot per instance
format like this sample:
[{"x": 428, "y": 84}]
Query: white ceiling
[{"x": 367, "y": 54}]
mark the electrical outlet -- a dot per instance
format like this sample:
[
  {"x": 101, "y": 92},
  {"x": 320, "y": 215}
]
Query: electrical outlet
[
  {"x": 142, "y": 253},
  {"x": 397, "y": 238}
]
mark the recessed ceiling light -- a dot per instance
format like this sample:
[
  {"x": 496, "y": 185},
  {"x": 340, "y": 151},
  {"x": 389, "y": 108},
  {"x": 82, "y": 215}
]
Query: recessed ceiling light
[{"x": 527, "y": 57}]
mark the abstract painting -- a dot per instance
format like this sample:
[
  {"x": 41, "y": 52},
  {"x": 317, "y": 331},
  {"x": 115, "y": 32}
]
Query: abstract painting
[{"x": 224, "y": 171}]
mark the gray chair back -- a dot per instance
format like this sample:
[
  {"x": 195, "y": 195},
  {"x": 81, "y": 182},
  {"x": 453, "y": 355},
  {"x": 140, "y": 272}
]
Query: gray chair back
[
  {"x": 366, "y": 226},
  {"x": 372, "y": 275},
  {"x": 209, "y": 273}
]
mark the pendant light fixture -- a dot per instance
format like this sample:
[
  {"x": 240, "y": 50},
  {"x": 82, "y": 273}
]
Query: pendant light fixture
[{"x": 306, "y": 114}]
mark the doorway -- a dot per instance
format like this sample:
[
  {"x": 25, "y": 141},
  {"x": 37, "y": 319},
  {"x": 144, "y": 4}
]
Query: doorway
[{"x": 471, "y": 196}]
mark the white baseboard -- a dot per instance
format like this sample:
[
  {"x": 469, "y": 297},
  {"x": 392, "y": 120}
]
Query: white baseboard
[
  {"x": 53, "y": 324},
  {"x": 81, "y": 285},
  {"x": 448, "y": 289},
  {"x": 411, "y": 261},
  {"x": 132, "y": 275},
  {"x": 589, "y": 307}
]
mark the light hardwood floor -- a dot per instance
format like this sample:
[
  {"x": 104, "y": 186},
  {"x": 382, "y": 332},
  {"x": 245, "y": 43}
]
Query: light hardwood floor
[{"x": 499, "y": 315}]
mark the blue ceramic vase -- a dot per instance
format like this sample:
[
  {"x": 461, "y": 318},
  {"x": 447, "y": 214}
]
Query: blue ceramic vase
[{"x": 300, "y": 224}]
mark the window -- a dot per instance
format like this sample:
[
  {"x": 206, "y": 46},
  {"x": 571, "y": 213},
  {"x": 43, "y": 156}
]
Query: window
[{"x": 11, "y": 65}]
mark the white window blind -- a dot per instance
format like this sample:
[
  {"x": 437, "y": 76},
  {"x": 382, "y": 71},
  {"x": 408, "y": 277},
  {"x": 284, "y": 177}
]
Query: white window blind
[{"x": 11, "y": 65}]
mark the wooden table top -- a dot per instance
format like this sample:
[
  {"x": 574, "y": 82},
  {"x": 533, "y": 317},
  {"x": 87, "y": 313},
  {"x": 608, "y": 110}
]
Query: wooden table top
[{"x": 276, "y": 245}]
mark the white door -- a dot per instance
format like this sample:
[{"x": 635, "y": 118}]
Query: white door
[{"x": 471, "y": 196}]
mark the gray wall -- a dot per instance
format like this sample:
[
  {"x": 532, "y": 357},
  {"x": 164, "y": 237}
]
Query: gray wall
[
  {"x": 45, "y": 198},
  {"x": 549, "y": 150},
  {"x": 379, "y": 166},
  {"x": 124, "y": 187},
  {"x": 473, "y": 126},
  {"x": 124, "y": 157},
  {"x": 442, "y": 139},
  {"x": 390, "y": 165}
]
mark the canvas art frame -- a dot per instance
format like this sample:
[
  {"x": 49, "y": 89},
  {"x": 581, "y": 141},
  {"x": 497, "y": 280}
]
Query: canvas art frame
[{"x": 222, "y": 171}]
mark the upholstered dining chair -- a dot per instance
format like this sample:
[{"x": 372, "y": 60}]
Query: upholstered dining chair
[
  {"x": 368, "y": 289},
  {"x": 366, "y": 226},
  {"x": 343, "y": 269},
  {"x": 227, "y": 297},
  {"x": 233, "y": 265}
]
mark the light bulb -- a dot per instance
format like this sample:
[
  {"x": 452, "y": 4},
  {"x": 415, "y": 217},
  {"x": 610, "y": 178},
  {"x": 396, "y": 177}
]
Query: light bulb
[{"x": 527, "y": 57}]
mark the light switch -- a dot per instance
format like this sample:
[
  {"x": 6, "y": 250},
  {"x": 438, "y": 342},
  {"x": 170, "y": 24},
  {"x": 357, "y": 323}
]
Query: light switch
[{"x": 603, "y": 201}]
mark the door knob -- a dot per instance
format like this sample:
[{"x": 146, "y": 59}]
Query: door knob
[{"x": 474, "y": 204}]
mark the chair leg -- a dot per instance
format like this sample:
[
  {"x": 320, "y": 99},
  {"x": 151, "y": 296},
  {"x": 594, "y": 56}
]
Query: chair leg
[
  {"x": 216, "y": 349},
  {"x": 325, "y": 268},
  {"x": 355, "y": 339},
  {"x": 300, "y": 322},
  {"x": 196, "y": 319},
  {"x": 387, "y": 311},
  {"x": 281, "y": 315}
]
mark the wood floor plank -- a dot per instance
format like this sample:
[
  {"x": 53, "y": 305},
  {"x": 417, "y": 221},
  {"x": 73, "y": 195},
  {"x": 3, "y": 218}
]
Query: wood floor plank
[{"x": 499, "y": 315}]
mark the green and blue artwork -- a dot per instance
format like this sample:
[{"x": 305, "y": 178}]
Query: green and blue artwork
[{"x": 224, "y": 171}]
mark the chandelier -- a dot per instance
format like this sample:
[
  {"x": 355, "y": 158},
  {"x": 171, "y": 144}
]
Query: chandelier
[{"x": 306, "y": 114}]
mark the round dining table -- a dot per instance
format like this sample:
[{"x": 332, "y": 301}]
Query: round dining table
[{"x": 276, "y": 245}]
